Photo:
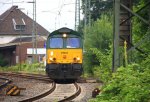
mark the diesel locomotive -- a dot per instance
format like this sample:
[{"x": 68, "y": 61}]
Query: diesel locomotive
[{"x": 64, "y": 54}]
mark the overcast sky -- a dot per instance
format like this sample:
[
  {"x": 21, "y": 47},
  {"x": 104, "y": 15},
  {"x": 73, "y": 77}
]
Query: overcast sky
[{"x": 51, "y": 14}]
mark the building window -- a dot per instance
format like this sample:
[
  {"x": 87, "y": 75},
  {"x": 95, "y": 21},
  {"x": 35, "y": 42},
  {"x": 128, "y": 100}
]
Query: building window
[
  {"x": 29, "y": 59},
  {"x": 19, "y": 24}
]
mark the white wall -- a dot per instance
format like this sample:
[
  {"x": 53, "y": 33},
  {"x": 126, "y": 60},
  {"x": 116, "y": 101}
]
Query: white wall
[{"x": 39, "y": 51}]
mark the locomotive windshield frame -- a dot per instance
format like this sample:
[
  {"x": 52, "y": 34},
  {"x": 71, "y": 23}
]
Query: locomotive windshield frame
[
  {"x": 68, "y": 42},
  {"x": 71, "y": 40}
]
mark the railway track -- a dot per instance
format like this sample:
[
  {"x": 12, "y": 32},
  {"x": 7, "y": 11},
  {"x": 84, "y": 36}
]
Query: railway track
[
  {"x": 63, "y": 93},
  {"x": 73, "y": 96},
  {"x": 41, "y": 95},
  {"x": 50, "y": 94},
  {"x": 27, "y": 75},
  {"x": 53, "y": 92},
  {"x": 4, "y": 82}
]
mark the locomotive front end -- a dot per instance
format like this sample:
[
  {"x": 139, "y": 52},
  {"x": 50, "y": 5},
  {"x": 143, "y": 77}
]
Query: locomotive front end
[{"x": 64, "y": 55}]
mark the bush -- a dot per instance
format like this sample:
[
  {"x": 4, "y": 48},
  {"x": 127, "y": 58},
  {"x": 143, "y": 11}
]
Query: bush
[
  {"x": 2, "y": 61},
  {"x": 28, "y": 68},
  {"x": 126, "y": 85},
  {"x": 103, "y": 70},
  {"x": 98, "y": 35}
]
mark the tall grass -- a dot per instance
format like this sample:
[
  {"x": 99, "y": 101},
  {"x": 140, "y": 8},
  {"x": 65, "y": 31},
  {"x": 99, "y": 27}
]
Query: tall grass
[{"x": 38, "y": 68}]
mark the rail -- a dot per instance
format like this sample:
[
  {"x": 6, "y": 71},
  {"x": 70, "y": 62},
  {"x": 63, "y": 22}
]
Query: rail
[
  {"x": 7, "y": 81},
  {"x": 41, "y": 95},
  {"x": 27, "y": 75},
  {"x": 78, "y": 91}
]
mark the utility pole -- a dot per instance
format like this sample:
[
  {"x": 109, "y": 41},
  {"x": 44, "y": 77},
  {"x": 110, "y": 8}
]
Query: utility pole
[
  {"x": 115, "y": 60},
  {"x": 85, "y": 12},
  {"x": 89, "y": 12},
  {"x": 33, "y": 33},
  {"x": 36, "y": 41},
  {"x": 77, "y": 14},
  {"x": 85, "y": 16},
  {"x": 122, "y": 30}
]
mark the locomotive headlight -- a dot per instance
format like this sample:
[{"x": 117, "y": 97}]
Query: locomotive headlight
[
  {"x": 64, "y": 35},
  {"x": 78, "y": 58},
  {"x": 51, "y": 53},
  {"x": 52, "y": 59}
]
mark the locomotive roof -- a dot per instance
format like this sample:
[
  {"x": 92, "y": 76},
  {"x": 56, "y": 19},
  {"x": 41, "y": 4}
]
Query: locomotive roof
[{"x": 64, "y": 30}]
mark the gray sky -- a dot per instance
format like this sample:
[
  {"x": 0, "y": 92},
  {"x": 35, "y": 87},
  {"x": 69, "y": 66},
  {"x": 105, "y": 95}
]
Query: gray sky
[{"x": 51, "y": 14}]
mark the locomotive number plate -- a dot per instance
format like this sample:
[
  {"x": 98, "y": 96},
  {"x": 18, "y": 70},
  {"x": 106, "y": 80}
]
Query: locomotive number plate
[{"x": 64, "y": 52}]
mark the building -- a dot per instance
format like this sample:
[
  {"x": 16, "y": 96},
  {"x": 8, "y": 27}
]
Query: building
[{"x": 19, "y": 42}]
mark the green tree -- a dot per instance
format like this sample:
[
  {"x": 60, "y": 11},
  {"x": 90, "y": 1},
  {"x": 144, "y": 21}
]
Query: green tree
[
  {"x": 2, "y": 61},
  {"x": 130, "y": 84},
  {"x": 141, "y": 30},
  {"x": 99, "y": 36},
  {"x": 97, "y": 7}
]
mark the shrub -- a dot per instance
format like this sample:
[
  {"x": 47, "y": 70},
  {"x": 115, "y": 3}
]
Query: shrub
[
  {"x": 2, "y": 61},
  {"x": 126, "y": 85}
]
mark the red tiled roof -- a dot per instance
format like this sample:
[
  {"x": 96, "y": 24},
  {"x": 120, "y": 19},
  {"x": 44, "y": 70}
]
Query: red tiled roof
[
  {"x": 7, "y": 26},
  {"x": 26, "y": 39}
]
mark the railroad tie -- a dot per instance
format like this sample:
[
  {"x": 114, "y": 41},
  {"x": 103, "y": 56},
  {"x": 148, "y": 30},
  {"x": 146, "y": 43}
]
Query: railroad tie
[{"x": 13, "y": 90}]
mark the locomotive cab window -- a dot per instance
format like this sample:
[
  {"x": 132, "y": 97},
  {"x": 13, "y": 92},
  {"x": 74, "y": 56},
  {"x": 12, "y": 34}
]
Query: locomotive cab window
[
  {"x": 73, "y": 43},
  {"x": 56, "y": 43}
]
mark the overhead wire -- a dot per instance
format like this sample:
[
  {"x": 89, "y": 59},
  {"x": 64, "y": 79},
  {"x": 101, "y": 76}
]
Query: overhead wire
[
  {"x": 58, "y": 12},
  {"x": 62, "y": 4},
  {"x": 58, "y": 15},
  {"x": 6, "y": 3}
]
